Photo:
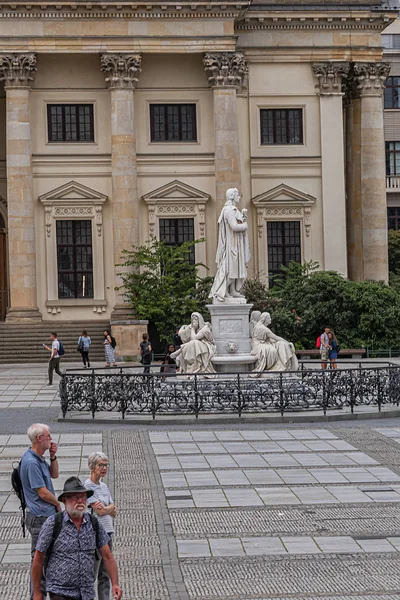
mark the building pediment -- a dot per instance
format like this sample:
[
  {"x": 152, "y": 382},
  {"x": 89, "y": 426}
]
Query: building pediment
[
  {"x": 284, "y": 195},
  {"x": 72, "y": 193},
  {"x": 176, "y": 192}
]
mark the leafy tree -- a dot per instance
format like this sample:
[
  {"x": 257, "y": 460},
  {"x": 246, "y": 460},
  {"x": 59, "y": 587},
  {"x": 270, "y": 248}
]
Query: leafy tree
[
  {"x": 394, "y": 257},
  {"x": 162, "y": 286}
]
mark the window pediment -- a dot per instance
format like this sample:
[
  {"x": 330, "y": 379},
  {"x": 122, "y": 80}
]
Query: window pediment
[
  {"x": 72, "y": 192},
  {"x": 283, "y": 195},
  {"x": 176, "y": 192}
]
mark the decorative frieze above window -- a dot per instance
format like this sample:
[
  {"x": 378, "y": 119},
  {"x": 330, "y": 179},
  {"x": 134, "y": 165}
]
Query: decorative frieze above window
[
  {"x": 74, "y": 201},
  {"x": 177, "y": 200},
  {"x": 283, "y": 203}
]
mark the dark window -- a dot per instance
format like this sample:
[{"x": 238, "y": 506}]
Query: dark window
[
  {"x": 284, "y": 245},
  {"x": 281, "y": 126},
  {"x": 176, "y": 231},
  {"x": 173, "y": 123},
  {"x": 392, "y": 158},
  {"x": 392, "y": 88},
  {"x": 393, "y": 217},
  {"x": 70, "y": 122},
  {"x": 74, "y": 259}
]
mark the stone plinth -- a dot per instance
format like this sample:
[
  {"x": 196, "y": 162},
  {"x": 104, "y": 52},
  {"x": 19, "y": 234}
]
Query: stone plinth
[
  {"x": 230, "y": 327},
  {"x": 128, "y": 335}
]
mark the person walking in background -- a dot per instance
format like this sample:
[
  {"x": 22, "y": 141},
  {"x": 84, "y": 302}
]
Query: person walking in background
[
  {"x": 54, "y": 362},
  {"x": 333, "y": 349},
  {"x": 84, "y": 347},
  {"x": 71, "y": 555},
  {"x": 36, "y": 475},
  {"x": 109, "y": 345},
  {"x": 324, "y": 347},
  {"x": 145, "y": 353},
  {"x": 102, "y": 504}
]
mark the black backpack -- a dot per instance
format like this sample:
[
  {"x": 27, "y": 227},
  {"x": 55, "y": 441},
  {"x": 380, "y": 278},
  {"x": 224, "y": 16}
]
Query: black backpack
[
  {"x": 113, "y": 341},
  {"x": 56, "y": 532},
  {"x": 61, "y": 350},
  {"x": 19, "y": 491}
]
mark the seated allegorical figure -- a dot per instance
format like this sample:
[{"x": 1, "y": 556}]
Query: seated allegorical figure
[
  {"x": 273, "y": 352},
  {"x": 198, "y": 347}
]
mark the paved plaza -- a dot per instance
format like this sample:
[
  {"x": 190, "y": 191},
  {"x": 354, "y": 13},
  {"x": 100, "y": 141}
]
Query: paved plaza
[{"x": 291, "y": 511}]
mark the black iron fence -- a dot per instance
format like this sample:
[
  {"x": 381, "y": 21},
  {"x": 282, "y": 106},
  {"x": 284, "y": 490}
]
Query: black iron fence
[{"x": 129, "y": 391}]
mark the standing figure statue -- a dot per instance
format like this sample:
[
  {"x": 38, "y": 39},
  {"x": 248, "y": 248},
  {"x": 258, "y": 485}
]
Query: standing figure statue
[
  {"x": 198, "y": 347},
  {"x": 273, "y": 352},
  {"x": 233, "y": 252}
]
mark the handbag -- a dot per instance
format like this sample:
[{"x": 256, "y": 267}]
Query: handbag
[{"x": 80, "y": 345}]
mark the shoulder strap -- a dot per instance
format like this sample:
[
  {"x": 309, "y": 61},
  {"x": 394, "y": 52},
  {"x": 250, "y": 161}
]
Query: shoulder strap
[
  {"x": 56, "y": 532},
  {"x": 95, "y": 525}
]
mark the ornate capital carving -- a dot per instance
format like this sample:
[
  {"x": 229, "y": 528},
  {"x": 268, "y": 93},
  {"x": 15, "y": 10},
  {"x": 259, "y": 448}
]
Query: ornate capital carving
[
  {"x": 225, "y": 69},
  {"x": 330, "y": 76},
  {"x": 121, "y": 70},
  {"x": 368, "y": 79},
  {"x": 17, "y": 69}
]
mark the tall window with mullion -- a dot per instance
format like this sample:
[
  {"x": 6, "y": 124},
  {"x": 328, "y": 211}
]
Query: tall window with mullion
[
  {"x": 70, "y": 122},
  {"x": 173, "y": 123},
  {"x": 174, "y": 232},
  {"x": 392, "y": 158},
  {"x": 281, "y": 126},
  {"x": 392, "y": 92},
  {"x": 74, "y": 259},
  {"x": 284, "y": 246}
]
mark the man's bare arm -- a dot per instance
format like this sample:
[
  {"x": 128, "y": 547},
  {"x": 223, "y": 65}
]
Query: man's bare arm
[
  {"x": 37, "y": 570},
  {"x": 48, "y": 497}
]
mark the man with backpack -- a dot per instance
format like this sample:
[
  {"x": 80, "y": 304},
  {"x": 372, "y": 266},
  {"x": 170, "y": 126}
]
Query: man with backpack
[
  {"x": 57, "y": 350},
  {"x": 35, "y": 477},
  {"x": 67, "y": 547}
]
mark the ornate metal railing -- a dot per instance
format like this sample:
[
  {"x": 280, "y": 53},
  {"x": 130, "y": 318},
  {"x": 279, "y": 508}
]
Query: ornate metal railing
[{"x": 129, "y": 391}]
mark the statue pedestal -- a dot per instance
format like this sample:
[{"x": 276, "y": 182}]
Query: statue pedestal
[{"x": 230, "y": 327}]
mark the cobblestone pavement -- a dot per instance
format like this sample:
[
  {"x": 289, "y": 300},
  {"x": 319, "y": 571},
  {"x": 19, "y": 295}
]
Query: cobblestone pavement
[{"x": 299, "y": 512}]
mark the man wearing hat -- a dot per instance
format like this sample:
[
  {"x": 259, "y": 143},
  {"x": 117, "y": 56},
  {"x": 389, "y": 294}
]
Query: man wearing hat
[{"x": 70, "y": 567}]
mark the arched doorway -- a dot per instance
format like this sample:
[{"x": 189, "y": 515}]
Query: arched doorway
[{"x": 3, "y": 270}]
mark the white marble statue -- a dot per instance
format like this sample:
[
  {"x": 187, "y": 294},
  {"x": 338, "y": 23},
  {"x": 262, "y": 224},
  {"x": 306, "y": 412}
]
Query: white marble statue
[
  {"x": 254, "y": 318},
  {"x": 198, "y": 347},
  {"x": 233, "y": 252},
  {"x": 273, "y": 352}
]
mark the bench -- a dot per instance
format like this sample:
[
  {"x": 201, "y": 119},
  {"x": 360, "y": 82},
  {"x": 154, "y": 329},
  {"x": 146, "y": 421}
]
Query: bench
[{"x": 356, "y": 353}]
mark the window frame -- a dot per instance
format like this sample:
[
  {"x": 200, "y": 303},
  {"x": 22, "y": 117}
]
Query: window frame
[
  {"x": 165, "y": 105},
  {"x": 192, "y": 254},
  {"x": 395, "y": 217},
  {"x": 390, "y": 87},
  {"x": 388, "y": 153},
  {"x": 74, "y": 257},
  {"x": 284, "y": 245},
  {"x": 49, "y": 107},
  {"x": 275, "y": 110}
]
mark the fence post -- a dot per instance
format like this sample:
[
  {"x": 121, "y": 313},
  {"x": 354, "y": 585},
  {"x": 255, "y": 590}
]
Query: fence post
[
  {"x": 196, "y": 398},
  {"x": 281, "y": 398},
  {"x": 93, "y": 400},
  {"x": 240, "y": 396},
  {"x": 378, "y": 391}
]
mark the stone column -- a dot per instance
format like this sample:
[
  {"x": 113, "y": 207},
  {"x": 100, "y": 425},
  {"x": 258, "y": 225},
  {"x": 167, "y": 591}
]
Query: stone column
[
  {"x": 225, "y": 71},
  {"x": 329, "y": 87},
  {"x": 17, "y": 72},
  {"x": 121, "y": 76},
  {"x": 368, "y": 84}
]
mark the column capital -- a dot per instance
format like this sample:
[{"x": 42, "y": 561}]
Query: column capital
[
  {"x": 330, "y": 76},
  {"x": 368, "y": 78},
  {"x": 225, "y": 69},
  {"x": 18, "y": 69},
  {"x": 121, "y": 70}
]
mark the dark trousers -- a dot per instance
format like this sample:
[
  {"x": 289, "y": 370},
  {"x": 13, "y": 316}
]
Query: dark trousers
[
  {"x": 34, "y": 525},
  {"x": 85, "y": 357},
  {"x": 54, "y": 365}
]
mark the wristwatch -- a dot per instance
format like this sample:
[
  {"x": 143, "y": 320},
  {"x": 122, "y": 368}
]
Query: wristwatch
[{"x": 53, "y": 459}]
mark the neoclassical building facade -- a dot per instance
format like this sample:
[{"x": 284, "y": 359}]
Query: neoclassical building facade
[{"x": 120, "y": 121}]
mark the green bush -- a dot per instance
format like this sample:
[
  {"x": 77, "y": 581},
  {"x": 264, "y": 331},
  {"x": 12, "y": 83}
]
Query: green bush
[{"x": 162, "y": 286}]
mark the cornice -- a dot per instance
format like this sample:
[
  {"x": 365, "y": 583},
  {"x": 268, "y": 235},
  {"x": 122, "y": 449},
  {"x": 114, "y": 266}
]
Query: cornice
[
  {"x": 70, "y": 9},
  {"x": 322, "y": 19}
]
